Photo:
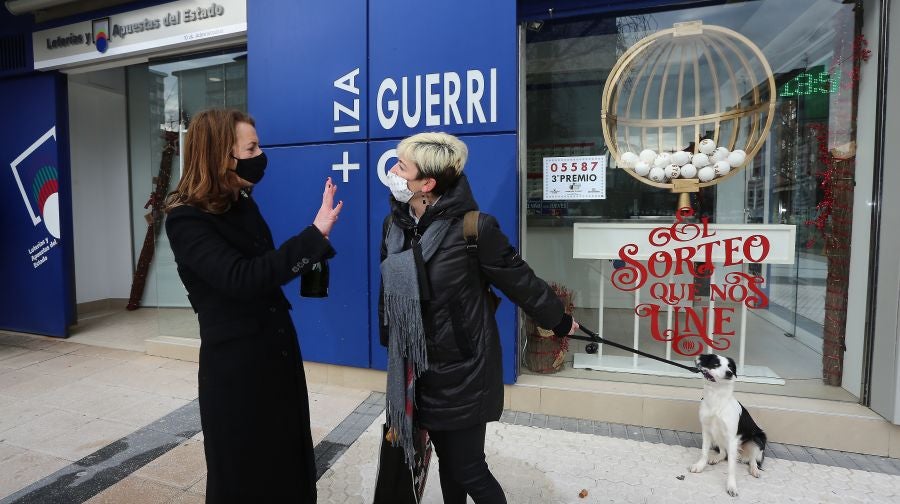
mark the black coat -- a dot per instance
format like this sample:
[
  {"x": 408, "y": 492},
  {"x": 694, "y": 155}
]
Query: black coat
[
  {"x": 254, "y": 407},
  {"x": 464, "y": 383}
]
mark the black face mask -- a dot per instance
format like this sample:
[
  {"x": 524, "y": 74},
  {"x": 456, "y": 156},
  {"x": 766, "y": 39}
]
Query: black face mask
[{"x": 252, "y": 169}]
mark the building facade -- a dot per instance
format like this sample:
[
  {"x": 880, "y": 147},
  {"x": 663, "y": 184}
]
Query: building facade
[{"x": 98, "y": 100}]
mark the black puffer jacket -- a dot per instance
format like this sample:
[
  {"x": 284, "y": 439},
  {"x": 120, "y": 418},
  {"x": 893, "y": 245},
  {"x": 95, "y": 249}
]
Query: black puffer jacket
[{"x": 464, "y": 383}]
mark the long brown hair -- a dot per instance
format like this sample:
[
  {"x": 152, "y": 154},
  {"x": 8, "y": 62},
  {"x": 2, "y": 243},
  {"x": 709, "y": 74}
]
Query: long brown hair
[{"x": 207, "y": 183}]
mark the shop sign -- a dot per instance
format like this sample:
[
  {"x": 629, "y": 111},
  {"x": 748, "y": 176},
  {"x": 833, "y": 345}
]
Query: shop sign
[
  {"x": 35, "y": 168},
  {"x": 812, "y": 82},
  {"x": 426, "y": 77},
  {"x": 651, "y": 257},
  {"x": 438, "y": 99},
  {"x": 36, "y": 204},
  {"x": 575, "y": 178},
  {"x": 138, "y": 32}
]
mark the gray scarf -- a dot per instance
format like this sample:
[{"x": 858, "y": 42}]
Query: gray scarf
[{"x": 407, "y": 355}]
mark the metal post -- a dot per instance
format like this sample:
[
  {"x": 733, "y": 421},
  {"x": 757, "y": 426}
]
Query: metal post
[
  {"x": 637, "y": 302},
  {"x": 712, "y": 303},
  {"x": 743, "y": 337},
  {"x": 669, "y": 322},
  {"x": 600, "y": 311}
]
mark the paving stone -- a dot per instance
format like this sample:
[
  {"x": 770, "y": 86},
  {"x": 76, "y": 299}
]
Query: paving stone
[
  {"x": 346, "y": 437},
  {"x": 601, "y": 429},
  {"x": 585, "y": 427},
  {"x": 375, "y": 398},
  {"x": 538, "y": 420},
  {"x": 522, "y": 418},
  {"x": 687, "y": 439},
  {"x": 536, "y": 458},
  {"x": 570, "y": 424},
  {"x": 799, "y": 453},
  {"x": 627, "y": 471},
  {"x": 634, "y": 432},
  {"x": 895, "y": 462},
  {"x": 554, "y": 422},
  {"x": 862, "y": 461},
  {"x": 618, "y": 431},
  {"x": 780, "y": 451},
  {"x": 652, "y": 435},
  {"x": 884, "y": 465},
  {"x": 669, "y": 437},
  {"x": 184, "y": 422},
  {"x": 821, "y": 456}
]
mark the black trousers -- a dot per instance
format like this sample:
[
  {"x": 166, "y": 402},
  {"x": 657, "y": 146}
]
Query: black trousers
[{"x": 463, "y": 467}]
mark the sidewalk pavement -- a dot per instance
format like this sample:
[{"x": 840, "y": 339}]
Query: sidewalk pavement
[{"x": 80, "y": 423}]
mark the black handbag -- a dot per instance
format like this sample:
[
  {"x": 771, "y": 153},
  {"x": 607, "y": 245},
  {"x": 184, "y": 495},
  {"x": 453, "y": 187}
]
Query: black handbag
[{"x": 395, "y": 482}]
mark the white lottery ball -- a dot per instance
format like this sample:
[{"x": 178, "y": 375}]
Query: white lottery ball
[
  {"x": 642, "y": 168},
  {"x": 629, "y": 159},
  {"x": 681, "y": 158},
  {"x": 720, "y": 154},
  {"x": 672, "y": 171},
  {"x": 688, "y": 171},
  {"x": 657, "y": 174},
  {"x": 707, "y": 146},
  {"x": 706, "y": 174},
  {"x": 737, "y": 158},
  {"x": 700, "y": 160},
  {"x": 722, "y": 168},
  {"x": 648, "y": 156},
  {"x": 662, "y": 160}
]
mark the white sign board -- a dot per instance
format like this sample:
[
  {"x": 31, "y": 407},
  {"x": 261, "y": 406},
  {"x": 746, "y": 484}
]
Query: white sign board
[
  {"x": 723, "y": 242},
  {"x": 575, "y": 178},
  {"x": 139, "y": 32}
]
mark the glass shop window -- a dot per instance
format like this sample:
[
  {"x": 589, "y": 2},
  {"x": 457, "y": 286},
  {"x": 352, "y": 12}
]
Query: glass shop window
[{"x": 805, "y": 138}]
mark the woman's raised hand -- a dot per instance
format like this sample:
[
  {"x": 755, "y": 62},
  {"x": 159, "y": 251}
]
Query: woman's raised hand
[{"x": 328, "y": 213}]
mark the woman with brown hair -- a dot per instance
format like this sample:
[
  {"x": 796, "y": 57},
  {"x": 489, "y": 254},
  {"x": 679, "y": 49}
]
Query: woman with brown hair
[{"x": 254, "y": 407}]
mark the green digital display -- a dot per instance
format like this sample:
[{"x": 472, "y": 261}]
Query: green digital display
[{"x": 811, "y": 82}]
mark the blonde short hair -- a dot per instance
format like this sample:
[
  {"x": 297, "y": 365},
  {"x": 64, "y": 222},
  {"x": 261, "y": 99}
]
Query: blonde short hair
[{"x": 438, "y": 155}]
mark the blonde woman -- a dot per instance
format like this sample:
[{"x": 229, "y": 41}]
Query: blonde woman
[
  {"x": 437, "y": 314},
  {"x": 254, "y": 407}
]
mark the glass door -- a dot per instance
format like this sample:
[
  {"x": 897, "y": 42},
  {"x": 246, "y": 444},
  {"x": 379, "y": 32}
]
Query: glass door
[{"x": 163, "y": 97}]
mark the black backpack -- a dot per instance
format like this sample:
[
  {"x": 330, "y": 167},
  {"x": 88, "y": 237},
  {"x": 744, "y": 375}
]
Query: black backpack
[{"x": 470, "y": 233}]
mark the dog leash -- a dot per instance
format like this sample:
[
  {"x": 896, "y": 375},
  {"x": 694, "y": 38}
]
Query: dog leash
[{"x": 594, "y": 338}]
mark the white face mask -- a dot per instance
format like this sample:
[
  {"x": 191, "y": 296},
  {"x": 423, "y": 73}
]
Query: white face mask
[{"x": 399, "y": 188}]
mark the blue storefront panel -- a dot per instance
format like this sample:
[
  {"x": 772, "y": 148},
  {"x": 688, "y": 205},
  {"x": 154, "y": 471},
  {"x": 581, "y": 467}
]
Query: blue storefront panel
[
  {"x": 442, "y": 66},
  {"x": 350, "y": 67},
  {"x": 491, "y": 170},
  {"x": 36, "y": 256},
  {"x": 307, "y": 70},
  {"x": 333, "y": 329}
]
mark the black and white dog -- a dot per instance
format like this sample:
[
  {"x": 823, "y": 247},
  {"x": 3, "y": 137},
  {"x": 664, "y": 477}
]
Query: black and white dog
[{"x": 727, "y": 426}]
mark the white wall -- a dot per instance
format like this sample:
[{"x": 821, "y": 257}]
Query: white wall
[{"x": 100, "y": 206}]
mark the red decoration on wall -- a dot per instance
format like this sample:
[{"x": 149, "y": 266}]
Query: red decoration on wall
[
  {"x": 834, "y": 217},
  {"x": 831, "y": 173}
]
